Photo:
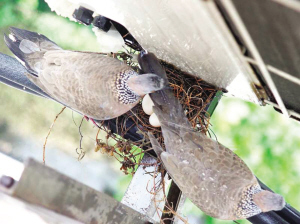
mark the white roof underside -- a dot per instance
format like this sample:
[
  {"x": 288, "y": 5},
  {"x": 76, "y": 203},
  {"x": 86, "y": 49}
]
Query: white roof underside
[{"x": 189, "y": 34}]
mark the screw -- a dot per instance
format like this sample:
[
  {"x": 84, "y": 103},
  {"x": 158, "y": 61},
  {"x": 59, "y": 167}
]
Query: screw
[{"x": 7, "y": 181}]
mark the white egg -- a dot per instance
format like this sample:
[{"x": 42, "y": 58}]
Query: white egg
[
  {"x": 153, "y": 120},
  {"x": 147, "y": 104}
]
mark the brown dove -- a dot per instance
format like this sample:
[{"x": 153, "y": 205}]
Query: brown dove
[
  {"x": 90, "y": 83},
  {"x": 209, "y": 174}
]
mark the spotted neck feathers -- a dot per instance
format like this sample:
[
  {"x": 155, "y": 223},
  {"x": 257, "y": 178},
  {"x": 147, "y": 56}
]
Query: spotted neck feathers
[
  {"x": 125, "y": 94},
  {"x": 246, "y": 207}
]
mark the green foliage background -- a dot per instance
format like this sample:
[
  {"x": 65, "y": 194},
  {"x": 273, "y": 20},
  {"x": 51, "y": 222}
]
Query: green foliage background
[{"x": 264, "y": 139}]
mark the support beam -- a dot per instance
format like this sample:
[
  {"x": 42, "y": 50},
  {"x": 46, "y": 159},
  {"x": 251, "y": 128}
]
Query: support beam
[{"x": 43, "y": 186}]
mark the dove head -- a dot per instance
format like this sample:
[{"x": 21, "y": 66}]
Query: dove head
[
  {"x": 268, "y": 201},
  {"x": 146, "y": 83}
]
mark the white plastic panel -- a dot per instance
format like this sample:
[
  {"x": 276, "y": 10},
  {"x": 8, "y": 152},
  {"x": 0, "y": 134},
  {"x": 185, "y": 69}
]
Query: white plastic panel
[{"x": 189, "y": 34}]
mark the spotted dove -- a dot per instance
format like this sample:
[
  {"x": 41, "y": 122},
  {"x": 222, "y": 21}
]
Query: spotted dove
[
  {"x": 90, "y": 83},
  {"x": 213, "y": 177}
]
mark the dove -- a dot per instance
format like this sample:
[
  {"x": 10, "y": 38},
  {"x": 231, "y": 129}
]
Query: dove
[
  {"x": 90, "y": 83},
  {"x": 213, "y": 177}
]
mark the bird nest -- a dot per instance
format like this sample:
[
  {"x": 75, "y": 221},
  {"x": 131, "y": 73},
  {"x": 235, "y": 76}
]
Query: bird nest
[{"x": 194, "y": 94}]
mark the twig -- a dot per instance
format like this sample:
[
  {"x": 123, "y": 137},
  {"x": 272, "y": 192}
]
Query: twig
[
  {"x": 44, "y": 147},
  {"x": 73, "y": 119},
  {"x": 81, "y": 154},
  {"x": 79, "y": 130}
]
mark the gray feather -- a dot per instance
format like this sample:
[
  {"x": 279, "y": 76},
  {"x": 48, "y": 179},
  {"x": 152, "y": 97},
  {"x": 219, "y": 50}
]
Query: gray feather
[{"x": 28, "y": 47}]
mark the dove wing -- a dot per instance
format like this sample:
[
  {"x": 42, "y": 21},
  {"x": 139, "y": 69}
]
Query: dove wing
[
  {"x": 81, "y": 80},
  {"x": 191, "y": 182},
  {"x": 210, "y": 174}
]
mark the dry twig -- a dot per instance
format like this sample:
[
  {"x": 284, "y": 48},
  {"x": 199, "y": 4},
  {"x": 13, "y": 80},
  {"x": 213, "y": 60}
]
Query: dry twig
[
  {"x": 80, "y": 151},
  {"x": 44, "y": 147}
]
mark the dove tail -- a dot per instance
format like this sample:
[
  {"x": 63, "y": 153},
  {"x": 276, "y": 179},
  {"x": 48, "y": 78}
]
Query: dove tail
[{"x": 24, "y": 44}]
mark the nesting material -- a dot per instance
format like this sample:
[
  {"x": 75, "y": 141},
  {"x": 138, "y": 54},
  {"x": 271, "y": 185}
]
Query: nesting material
[
  {"x": 193, "y": 93},
  {"x": 195, "y": 96}
]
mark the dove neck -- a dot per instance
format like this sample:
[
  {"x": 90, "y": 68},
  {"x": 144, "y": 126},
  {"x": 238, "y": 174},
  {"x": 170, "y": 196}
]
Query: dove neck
[
  {"x": 268, "y": 201},
  {"x": 144, "y": 84}
]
